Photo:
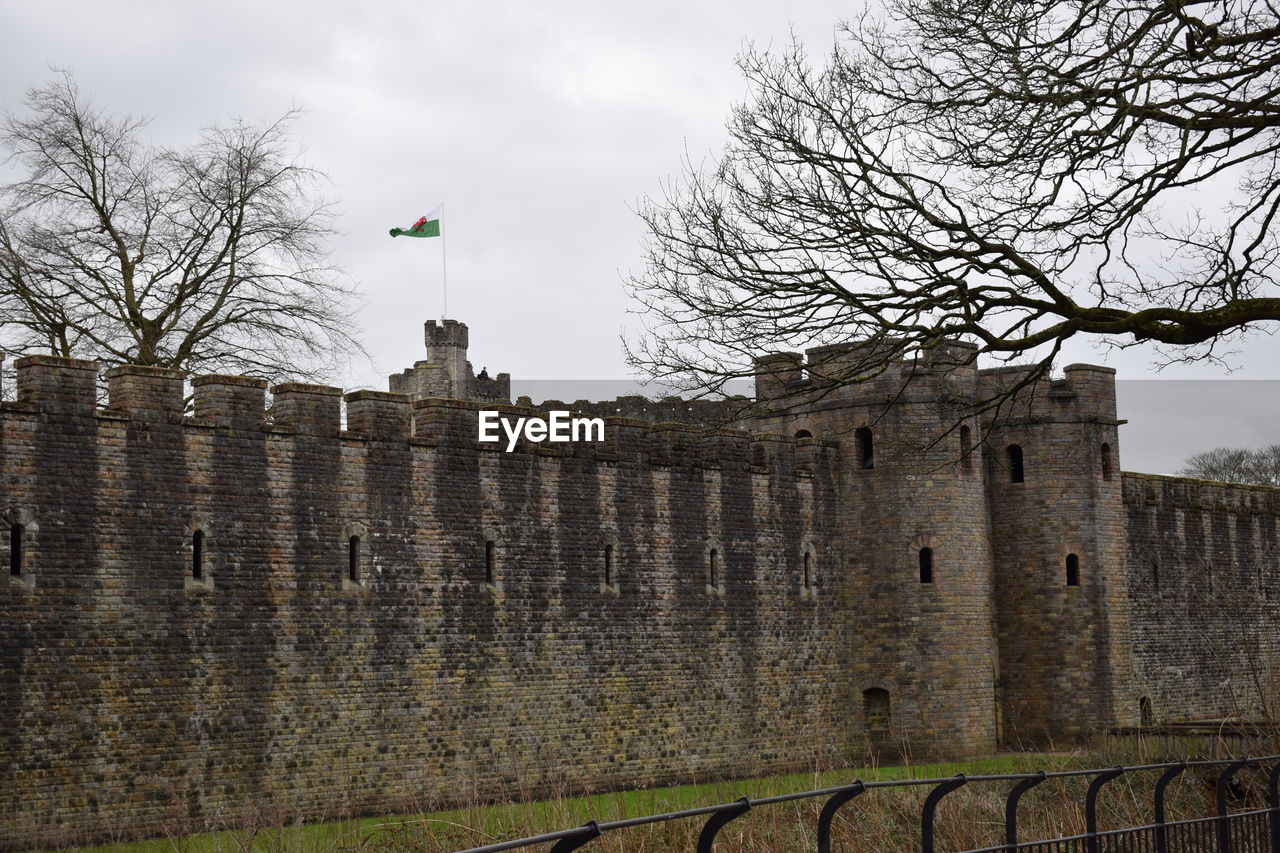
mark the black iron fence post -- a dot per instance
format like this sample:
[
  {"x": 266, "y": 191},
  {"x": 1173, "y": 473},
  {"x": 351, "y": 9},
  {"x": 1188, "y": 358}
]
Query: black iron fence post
[
  {"x": 717, "y": 821},
  {"x": 1162, "y": 831},
  {"x": 931, "y": 805},
  {"x": 1091, "y": 806},
  {"x": 829, "y": 813},
  {"x": 1011, "y": 808}
]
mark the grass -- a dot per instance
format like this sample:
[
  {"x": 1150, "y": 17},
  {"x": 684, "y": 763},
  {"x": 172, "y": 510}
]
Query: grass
[
  {"x": 485, "y": 824},
  {"x": 885, "y": 821}
]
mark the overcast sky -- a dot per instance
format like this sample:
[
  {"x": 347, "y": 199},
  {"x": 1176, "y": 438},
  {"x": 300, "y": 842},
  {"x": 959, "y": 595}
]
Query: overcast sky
[{"x": 539, "y": 125}]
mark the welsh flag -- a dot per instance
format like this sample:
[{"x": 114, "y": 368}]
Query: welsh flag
[{"x": 427, "y": 226}]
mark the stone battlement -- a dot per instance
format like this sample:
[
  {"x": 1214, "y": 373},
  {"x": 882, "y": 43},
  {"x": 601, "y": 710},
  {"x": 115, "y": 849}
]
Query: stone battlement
[{"x": 240, "y": 403}]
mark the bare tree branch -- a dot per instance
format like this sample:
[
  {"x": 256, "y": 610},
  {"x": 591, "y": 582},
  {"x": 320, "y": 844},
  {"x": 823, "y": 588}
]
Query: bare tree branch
[
  {"x": 210, "y": 258},
  {"x": 1014, "y": 174}
]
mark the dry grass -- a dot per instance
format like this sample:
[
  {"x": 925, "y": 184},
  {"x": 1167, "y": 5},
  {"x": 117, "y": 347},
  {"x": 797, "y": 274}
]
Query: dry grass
[{"x": 883, "y": 820}]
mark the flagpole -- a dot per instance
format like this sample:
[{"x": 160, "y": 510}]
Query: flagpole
[{"x": 444, "y": 265}]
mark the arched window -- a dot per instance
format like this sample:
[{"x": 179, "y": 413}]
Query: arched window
[
  {"x": 202, "y": 563},
  {"x": 1146, "y": 712},
  {"x": 1105, "y": 454},
  {"x": 864, "y": 448},
  {"x": 608, "y": 564},
  {"x": 712, "y": 566},
  {"x": 803, "y": 433},
  {"x": 197, "y": 555},
  {"x": 808, "y": 569},
  {"x": 966, "y": 449},
  {"x": 353, "y": 559},
  {"x": 875, "y": 708},
  {"x": 1014, "y": 452},
  {"x": 926, "y": 565},
  {"x": 24, "y": 535},
  {"x": 354, "y": 577},
  {"x": 1155, "y": 574},
  {"x": 1073, "y": 570},
  {"x": 16, "y": 531},
  {"x": 490, "y": 561}
]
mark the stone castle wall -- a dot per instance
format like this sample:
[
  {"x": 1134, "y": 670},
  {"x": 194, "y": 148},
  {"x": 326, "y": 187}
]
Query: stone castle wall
[
  {"x": 136, "y": 696},
  {"x": 1203, "y": 567},
  {"x": 393, "y": 615}
]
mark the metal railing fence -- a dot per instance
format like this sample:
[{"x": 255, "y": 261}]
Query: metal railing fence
[{"x": 1255, "y": 831}]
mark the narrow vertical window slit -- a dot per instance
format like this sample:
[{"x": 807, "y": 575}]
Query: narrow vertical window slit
[
  {"x": 353, "y": 558},
  {"x": 197, "y": 554},
  {"x": 15, "y": 548}
]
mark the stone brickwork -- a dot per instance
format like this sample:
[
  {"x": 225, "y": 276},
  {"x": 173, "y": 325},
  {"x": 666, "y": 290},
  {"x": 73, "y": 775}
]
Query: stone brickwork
[
  {"x": 1064, "y": 653},
  {"x": 136, "y": 696},
  {"x": 217, "y": 616},
  {"x": 1205, "y": 597}
]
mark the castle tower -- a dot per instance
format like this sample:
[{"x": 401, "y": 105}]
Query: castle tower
[
  {"x": 445, "y": 372},
  {"x": 447, "y": 347},
  {"x": 1058, "y": 524},
  {"x": 912, "y": 567}
]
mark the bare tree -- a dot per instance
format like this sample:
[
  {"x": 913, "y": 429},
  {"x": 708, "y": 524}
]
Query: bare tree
[
  {"x": 1236, "y": 465},
  {"x": 1008, "y": 173},
  {"x": 209, "y": 258}
]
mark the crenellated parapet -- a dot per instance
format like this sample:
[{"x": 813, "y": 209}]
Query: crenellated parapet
[
  {"x": 145, "y": 393},
  {"x": 308, "y": 409},
  {"x": 55, "y": 384},
  {"x": 233, "y": 401},
  {"x": 1184, "y": 493},
  {"x": 379, "y": 414},
  {"x": 68, "y": 388},
  {"x": 871, "y": 373},
  {"x": 1084, "y": 393}
]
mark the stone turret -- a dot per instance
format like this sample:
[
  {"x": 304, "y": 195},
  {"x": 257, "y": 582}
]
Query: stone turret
[
  {"x": 447, "y": 347},
  {"x": 911, "y": 567},
  {"x": 1057, "y": 516},
  {"x": 446, "y": 373}
]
